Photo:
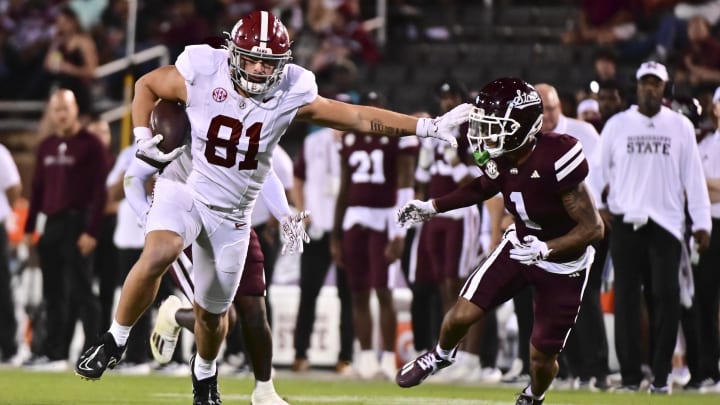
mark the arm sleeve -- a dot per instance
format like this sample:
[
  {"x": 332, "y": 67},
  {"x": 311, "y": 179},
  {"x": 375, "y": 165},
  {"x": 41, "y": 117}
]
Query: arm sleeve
[
  {"x": 136, "y": 176},
  {"x": 273, "y": 195},
  {"x": 478, "y": 190}
]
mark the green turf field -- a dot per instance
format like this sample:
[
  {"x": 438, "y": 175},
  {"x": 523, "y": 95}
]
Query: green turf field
[{"x": 24, "y": 388}]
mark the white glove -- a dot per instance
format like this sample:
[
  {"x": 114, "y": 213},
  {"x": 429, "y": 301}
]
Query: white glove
[
  {"x": 442, "y": 127},
  {"x": 292, "y": 229},
  {"x": 531, "y": 251},
  {"x": 415, "y": 212},
  {"x": 148, "y": 151}
]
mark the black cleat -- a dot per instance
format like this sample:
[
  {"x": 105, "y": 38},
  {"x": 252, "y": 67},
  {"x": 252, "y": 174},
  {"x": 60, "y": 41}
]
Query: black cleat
[
  {"x": 205, "y": 392},
  {"x": 416, "y": 371},
  {"x": 99, "y": 357},
  {"x": 525, "y": 399}
]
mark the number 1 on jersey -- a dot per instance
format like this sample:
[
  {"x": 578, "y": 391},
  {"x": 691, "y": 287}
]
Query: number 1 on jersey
[
  {"x": 517, "y": 199},
  {"x": 230, "y": 144}
]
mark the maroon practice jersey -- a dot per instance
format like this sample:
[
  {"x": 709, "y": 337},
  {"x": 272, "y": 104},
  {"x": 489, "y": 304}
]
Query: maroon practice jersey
[
  {"x": 531, "y": 191},
  {"x": 441, "y": 172},
  {"x": 373, "y": 168}
]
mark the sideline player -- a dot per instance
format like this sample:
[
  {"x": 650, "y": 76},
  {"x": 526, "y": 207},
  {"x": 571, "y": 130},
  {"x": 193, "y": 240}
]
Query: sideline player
[
  {"x": 540, "y": 176},
  {"x": 240, "y": 100}
]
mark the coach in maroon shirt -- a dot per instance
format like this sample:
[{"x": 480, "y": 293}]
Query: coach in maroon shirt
[{"x": 69, "y": 188}]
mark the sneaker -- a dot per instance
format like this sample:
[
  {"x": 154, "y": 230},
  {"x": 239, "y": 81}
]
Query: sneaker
[
  {"x": 388, "y": 369},
  {"x": 300, "y": 364},
  {"x": 130, "y": 368},
  {"x": 43, "y": 363},
  {"x": 102, "y": 355},
  {"x": 414, "y": 372},
  {"x": 664, "y": 390},
  {"x": 164, "y": 336},
  {"x": 626, "y": 388},
  {"x": 343, "y": 368},
  {"x": 266, "y": 398},
  {"x": 205, "y": 392},
  {"x": 366, "y": 364},
  {"x": 712, "y": 388},
  {"x": 525, "y": 399},
  {"x": 490, "y": 375}
]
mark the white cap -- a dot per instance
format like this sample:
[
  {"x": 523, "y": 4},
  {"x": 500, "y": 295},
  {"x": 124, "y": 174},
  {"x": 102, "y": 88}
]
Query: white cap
[
  {"x": 656, "y": 69},
  {"x": 716, "y": 96},
  {"x": 588, "y": 105}
]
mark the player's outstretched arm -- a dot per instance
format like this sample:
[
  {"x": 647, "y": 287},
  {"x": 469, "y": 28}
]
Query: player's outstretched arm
[
  {"x": 378, "y": 121},
  {"x": 581, "y": 208}
]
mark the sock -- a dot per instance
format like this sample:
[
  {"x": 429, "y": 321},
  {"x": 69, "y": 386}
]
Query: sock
[
  {"x": 204, "y": 368},
  {"x": 442, "y": 353},
  {"x": 264, "y": 387},
  {"x": 528, "y": 391},
  {"x": 120, "y": 333}
]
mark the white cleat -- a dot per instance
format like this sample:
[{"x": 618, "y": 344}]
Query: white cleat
[
  {"x": 266, "y": 398},
  {"x": 366, "y": 364},
  {"x": 164, "y": 336}
]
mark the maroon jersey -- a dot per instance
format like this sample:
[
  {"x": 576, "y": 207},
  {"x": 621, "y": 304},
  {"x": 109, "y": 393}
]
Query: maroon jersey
[
  {"x": 532, "y": 191},
  {"x": 441, "y": 172},
  {"x": 373, "y": 168}
]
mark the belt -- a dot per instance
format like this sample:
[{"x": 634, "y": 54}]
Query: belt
[{"x": 225, "y": 210}]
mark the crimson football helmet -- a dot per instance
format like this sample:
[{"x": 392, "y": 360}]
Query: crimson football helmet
[
  {"x": 258, "y": 36},
  {"x": 507, "y": 113}
]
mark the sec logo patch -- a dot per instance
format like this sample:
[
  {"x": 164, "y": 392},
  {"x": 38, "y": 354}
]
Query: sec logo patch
[{"x": 219, "y": 94}]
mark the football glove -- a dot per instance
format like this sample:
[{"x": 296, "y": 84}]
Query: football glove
[
  {"x": 148, "y": 151},
  {"x": 415, "y": 212},
  {"x": 292, "y": 229},
  {"x": 531, "y": 251},
  {"x": 442, "y": 127}
]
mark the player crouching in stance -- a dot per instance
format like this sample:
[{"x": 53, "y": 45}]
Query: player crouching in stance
[{"x": 555, "y": 220}]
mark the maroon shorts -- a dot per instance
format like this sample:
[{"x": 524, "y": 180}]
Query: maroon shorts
[
  {"x": 439, "y": 250},
  {"x": 364, "y": 257},
  {"x": 557, "y": 296},
  {"x": 252, "y": 283}
]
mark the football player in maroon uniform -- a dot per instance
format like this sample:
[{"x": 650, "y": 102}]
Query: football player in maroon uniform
[
  {"x": 376, "y": 178},
  {"x": 541, "y": 177}
]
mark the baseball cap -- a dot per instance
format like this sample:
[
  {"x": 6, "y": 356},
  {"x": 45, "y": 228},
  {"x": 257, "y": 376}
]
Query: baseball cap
[
  {"x": 716, "y": 96},
  {"x": 656, "y": 69}
]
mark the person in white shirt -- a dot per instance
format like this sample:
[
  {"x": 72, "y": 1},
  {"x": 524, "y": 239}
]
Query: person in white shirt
[
  {"x": 707, "y": 270},
  {"x": 316, "y": 186},
  {"x": 586, "y": 353},
  {"x": 10, "y": 188},
  {"x": 648, "y": 158}
]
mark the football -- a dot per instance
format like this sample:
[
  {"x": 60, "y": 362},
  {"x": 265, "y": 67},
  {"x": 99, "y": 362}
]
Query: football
[{"x": 169, "y": 119}]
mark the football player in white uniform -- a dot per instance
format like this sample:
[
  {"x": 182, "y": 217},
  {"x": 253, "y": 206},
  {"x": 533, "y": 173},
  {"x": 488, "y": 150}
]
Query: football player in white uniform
[{"x": 240, "y": 100}]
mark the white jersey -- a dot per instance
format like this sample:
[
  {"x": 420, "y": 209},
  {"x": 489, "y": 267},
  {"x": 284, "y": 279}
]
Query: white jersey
[
  {"x": 233, "y": 137},
  {"x": 710, "y": 154},
  {"x": 653, "y": 168}
]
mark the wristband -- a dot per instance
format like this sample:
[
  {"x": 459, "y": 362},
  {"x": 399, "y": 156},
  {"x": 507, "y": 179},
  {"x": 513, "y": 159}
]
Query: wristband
[
  {"x": 142, "y": 134},
  {"x": 424, "y": 127}
]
